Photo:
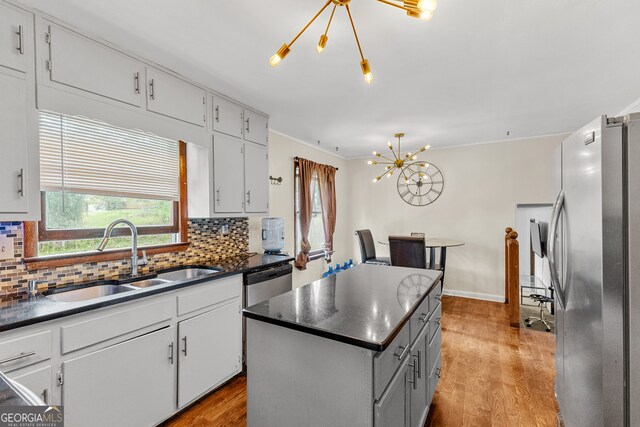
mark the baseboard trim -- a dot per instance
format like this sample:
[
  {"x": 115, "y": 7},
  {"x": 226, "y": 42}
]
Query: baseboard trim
[{"x": 473, "y": 295}]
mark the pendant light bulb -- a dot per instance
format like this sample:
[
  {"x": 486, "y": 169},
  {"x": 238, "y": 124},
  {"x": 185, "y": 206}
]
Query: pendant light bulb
[
  {"x": 279, "y": 56},
  {"x": 426, "y": 15},
  {"x": 322, "y": 43},
  {"x": 428, "y": 5},
  {"x": 366, "y": 71}
]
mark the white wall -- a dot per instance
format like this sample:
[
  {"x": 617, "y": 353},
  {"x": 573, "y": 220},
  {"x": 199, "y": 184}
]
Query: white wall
[
  {"x": 483, "y": 185},
  {"x": 282, "y": 150}
]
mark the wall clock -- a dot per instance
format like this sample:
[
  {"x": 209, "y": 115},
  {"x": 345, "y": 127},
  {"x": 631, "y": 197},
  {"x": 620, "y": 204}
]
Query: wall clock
[{"x": 420, "y": 184}]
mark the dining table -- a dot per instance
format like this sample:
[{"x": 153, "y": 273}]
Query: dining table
[{"x": 433, "y": 243}]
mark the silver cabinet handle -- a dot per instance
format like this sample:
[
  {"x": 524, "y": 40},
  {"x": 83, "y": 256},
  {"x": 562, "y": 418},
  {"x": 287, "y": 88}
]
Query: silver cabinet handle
[
  {"x": 248, "y": 124},
  {"x": 18, "y": 357},
  {"x": 20, "y": 34},
  {"x": 249, "y": 197},
  {"x": 423, "y": 317},
  {"x": 217, "y": 113},
  {"x": 553, "y": 230},
  {"x": 439, "y": 297},
  {"x": 184, "y": 347},
  {"x": 136, "y": 82},
  {"x": 218, "y": 196},
  {"x": 438, "y": 372},
  {"x": 403, "y": 353},
  {"x": 419, "y": 363},
  {"x": 171, "y": 353},
  {"x": 438, "y": 320},
  {"x": 21, "y": 188},
  {"x": 413, "y": 371},
  {"x": 152, "y": 89},
  {"x": 45, "y": 396}
]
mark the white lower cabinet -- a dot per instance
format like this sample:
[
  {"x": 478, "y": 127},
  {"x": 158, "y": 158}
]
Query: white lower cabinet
[
  {"x": 38, "y": 380},
  {"x": 127, "y": 384},
  {"x": 420, "y": 399},
  {"x": 210, "y": 350}
]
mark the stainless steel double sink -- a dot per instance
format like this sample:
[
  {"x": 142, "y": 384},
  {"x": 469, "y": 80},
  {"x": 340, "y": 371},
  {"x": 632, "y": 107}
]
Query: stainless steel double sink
[{"x": 103, "y": 290}]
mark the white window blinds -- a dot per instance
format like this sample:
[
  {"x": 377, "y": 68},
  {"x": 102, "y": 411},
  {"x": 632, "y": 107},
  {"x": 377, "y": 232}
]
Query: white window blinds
[{"x": 81, "y": 155}]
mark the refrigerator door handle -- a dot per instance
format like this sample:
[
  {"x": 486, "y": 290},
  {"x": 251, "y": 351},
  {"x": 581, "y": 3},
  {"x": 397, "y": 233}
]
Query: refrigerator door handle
[{"x": 553, "y": 229}]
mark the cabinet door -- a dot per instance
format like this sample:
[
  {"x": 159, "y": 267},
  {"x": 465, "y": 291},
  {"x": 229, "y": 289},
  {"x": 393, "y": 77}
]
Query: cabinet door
[
  {"x": 227, "y": 117},
  {"x": 172, "y": 97},
  {"x": 13, "y": 143},
  {"x": 38, "y": 381},
  {"x": 210, "y": 348},
  {"x": 81, "y": 63},
  {"x": 13, "y": 38},
  {"x": 256, "y": 127},
  {"x": 256, "y": 178},
  {"x": 392, "y": 409},
  {"x": 128, "y": 384},
  {"x": 199, "y": 176},
  {"x": 420, "y": 387},
  {"x": 228, "y": 174}
]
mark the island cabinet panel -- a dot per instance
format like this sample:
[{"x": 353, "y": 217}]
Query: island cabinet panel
[
  {"x": 210, "y": 347},
  {"x": 81, "y": 63},
  {"x": 14, "y": 40},
  {"x": 386, "y": 363},
  {"x": 227, "y": 117},
  {"x": 420, "y": 399},
  {"x": 175, "y": 98},
  {"x": 14, "y": 139},
  {"x": 393, "y": 408},
  {"x": 419, "y": 319},
  {"x": 228, "y": 174},
  {"x": 127, "y": 384}
]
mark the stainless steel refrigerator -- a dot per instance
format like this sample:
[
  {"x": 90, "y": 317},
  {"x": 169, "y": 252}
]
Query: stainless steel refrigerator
[{"x": 594, "y": 250}]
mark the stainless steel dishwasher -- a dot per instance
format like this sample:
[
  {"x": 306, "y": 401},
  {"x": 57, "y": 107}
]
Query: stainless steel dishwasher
[{"x": 260, "y": 285}]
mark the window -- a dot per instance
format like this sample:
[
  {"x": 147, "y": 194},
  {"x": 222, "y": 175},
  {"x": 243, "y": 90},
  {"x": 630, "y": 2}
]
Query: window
[
  {"x": 93, "y": 173},
  {"x": 316, "y": 227}
]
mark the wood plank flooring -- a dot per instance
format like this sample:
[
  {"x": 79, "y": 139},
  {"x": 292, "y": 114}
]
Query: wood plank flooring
[{"x": 493, "y": 375}]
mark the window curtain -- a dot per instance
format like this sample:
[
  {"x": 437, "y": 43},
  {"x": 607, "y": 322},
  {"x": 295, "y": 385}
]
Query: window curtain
[
  {"x": 306, "y": 168},
  {"x": 327, "y": 181}
]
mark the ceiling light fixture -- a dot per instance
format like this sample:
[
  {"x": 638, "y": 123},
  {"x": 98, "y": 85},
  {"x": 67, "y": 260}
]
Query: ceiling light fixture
[
  {"x": 398, "y": 162},
  {"x": 422, "y": 9}
]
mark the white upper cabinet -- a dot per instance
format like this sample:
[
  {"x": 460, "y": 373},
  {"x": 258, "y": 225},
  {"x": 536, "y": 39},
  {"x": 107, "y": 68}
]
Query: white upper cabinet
[
  {"x": 81, "y": 63},
  {"x": 228, "y": 174},
  {"x": 14, "y": 40},
  {"x": 176, "y": 98},
  {"x": 256, "y": 178},
  {"x": 14, "y": 138},
  {"x": 227, "y": 117},
  {"x": 256, "y": 127}
]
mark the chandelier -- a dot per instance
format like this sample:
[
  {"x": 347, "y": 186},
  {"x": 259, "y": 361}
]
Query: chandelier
[
  {"x": 399, "y": 161},
  {"x": 422, "y": 9}
]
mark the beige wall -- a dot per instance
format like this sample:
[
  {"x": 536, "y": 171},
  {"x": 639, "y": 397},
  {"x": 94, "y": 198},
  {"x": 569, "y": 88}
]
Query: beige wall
[
  {"x": 483, "y": 185},
  {"x": 282, "y": 150}
]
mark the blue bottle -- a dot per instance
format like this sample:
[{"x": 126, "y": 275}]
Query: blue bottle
[
  {"x": 346, "y": 265},
  {"x": 338, "y": 268}
]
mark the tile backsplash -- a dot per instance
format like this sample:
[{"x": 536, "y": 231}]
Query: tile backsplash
[{"x": 207, "y": 246}]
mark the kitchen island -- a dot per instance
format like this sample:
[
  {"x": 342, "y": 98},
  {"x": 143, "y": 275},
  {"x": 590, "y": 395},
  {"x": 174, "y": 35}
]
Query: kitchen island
[{"x": 359, "y": 348}]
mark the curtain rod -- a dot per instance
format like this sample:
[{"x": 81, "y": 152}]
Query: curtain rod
[{"x": 296, "y": 158}]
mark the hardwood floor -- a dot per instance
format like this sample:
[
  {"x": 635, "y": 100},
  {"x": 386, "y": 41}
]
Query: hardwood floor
[{"x": 493, "y": 375}]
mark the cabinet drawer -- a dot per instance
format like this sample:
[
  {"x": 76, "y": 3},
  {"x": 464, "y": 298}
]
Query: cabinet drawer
[
  {"x": 210, "y": 293},
  {"x": 434, "y": 297},
  {"x": 103, "y": 327},
  {"x": 419, "y": 319},
  {"x": 434, "y": 322},
  {"x": 25, "y": 350},
  {"x": 435, "y": 346},
  {"x": 387, "y": 362}
]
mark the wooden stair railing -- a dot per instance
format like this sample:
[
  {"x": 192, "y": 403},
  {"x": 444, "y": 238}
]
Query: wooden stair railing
[{"x": 512, "y": 278}]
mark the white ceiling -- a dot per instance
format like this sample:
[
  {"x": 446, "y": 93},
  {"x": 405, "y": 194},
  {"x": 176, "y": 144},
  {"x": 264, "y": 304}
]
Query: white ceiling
[{"x": 478, "y": 70}]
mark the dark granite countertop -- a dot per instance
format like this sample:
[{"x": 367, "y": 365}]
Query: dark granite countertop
[
  {"x": 365, "y": 306},
  {"x": 19, "y": 310}
]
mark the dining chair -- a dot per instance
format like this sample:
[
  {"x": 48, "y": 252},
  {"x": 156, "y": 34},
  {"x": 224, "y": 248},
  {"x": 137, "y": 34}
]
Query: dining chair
[
  {"x": 407, "y": 251},
  {"x": 368, "y": 249}
]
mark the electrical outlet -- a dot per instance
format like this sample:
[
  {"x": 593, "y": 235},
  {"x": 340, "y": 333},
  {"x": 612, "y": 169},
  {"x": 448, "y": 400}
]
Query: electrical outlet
[
  {"x": 224, "y": 229},
  {"x": 6, "y": 247}
]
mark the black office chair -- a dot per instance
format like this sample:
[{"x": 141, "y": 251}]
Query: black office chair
[
  {"x": 541, "y": 300},
  {"x": 407, "y": 251},
  {"x": 368, "y": 249}
]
